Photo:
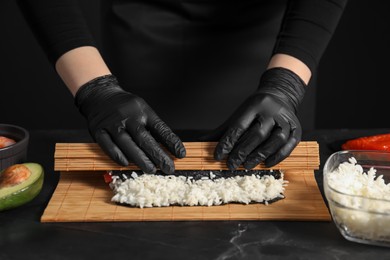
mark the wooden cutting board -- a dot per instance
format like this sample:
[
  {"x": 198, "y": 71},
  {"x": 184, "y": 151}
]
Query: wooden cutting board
[{"x": 85, "y": 197}]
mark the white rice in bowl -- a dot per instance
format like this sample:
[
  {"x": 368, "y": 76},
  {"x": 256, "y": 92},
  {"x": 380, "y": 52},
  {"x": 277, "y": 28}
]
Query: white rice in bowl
[{"x": 364, "y": 212}]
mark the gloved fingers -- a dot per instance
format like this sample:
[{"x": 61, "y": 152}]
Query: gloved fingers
[
  {"x": 241, "y": 118},
  {"x": 227, "y": 142},
  {"x": 276, "y": 140},
  {"x": 287, "y": 148},
  {"x": 256, "y": 135},
  {"x": 132, "y": 151},
  {"x": 170, "y": 140},
  {"x": 110, "y": 148},
  {"x": 238, "y": 124},
  {"x": 152, "y": 149}
]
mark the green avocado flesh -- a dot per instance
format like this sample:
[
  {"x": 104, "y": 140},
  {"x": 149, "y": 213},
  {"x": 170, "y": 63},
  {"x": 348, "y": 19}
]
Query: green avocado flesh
[{"x": 14, "y": 196}]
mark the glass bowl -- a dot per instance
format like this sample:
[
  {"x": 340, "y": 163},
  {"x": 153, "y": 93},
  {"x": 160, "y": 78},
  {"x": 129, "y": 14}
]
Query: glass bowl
[
  {"x": 361, "y": 218},
  {"x": 16, "y": 153}
]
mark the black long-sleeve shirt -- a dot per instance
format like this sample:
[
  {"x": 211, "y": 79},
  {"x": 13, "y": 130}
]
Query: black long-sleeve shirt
[{"x": 307, "y": 27}]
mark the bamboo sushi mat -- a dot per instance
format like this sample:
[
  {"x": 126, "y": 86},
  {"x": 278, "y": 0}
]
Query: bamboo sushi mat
[
  {"x": 200, "y": 156},
  {"x": 85, "y": 197}
]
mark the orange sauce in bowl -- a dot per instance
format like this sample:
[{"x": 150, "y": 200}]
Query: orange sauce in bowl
[{"x": 5, "y": 141}]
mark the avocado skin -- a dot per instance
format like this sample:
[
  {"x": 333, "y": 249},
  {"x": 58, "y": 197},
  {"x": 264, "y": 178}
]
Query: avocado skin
[{"x": 22, "y": 196}]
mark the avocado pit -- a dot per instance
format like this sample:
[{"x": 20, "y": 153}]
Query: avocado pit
[{"x": 14, "y": 175}]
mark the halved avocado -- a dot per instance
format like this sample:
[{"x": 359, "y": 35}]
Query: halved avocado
[{"x": 21, "y": 193}]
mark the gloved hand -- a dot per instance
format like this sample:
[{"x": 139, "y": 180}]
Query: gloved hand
[
  {"x": 265, "y": 127},
  {"x": 125, "y": 127}
]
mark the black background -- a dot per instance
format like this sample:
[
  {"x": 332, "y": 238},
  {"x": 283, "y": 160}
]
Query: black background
[{"x": 351, "y": 89}]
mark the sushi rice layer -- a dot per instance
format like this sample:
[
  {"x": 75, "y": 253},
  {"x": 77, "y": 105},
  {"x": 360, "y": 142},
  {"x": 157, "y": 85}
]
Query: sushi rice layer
[{"x": 196, "y": 188}]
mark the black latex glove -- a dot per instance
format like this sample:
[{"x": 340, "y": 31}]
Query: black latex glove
[
  {"x": 125, "y": 127},
  {"x": 265, "y": 127}
]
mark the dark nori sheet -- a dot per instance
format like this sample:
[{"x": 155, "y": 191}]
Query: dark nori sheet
[
  {"x": 199, "y": 174},
  {"x": 178, "y": 205}
]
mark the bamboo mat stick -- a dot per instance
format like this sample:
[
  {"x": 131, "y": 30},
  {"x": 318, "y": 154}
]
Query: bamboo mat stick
[
  {"x": 200, "y": 156},
  {"x": 190, "y": 154},
  {"x": 93, "y": 151}
]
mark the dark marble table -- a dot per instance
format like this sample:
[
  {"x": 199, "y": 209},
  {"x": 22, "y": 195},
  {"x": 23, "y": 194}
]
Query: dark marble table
[{"x": 22, "y": 236}]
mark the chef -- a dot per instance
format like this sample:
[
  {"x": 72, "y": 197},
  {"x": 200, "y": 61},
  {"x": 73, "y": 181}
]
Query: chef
[{"x": 241, "y": 67}]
